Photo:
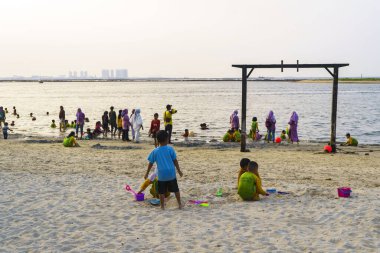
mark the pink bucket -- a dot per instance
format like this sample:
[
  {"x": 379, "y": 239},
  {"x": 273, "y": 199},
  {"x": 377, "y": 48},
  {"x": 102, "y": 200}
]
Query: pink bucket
[
  {"x": 344, "y": 192},
  {"x": 139, "y": 196}
]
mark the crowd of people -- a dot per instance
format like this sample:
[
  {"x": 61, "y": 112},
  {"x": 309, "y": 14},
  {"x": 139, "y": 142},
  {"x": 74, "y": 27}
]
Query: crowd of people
[
  {"x": 121, "y": 124},
  {"x": 117, "y": 125},
  {"x": 291, "y": 133}
]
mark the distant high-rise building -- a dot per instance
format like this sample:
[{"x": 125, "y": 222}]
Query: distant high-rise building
[
  {"x": 111, "y": 74},
  {"x": 105, "y": 74},
  {"x": 121, "y": 73},
  {"x": 70, "y": 74},
  {"x": 75, "y": 74}
]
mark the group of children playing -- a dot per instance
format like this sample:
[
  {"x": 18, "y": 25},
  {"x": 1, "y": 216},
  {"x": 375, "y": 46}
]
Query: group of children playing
[{"x": 163, "y": 180}]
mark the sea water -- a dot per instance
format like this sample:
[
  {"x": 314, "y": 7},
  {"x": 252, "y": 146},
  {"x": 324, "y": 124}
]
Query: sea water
[{"x": 210, "y": 102}]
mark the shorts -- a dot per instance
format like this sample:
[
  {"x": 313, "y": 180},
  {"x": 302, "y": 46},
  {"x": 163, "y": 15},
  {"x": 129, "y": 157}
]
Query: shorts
[
  {"x": 154, "y": 135},
  {"x": 168, "y": 186},
  {"x": 120, "y": 129}
]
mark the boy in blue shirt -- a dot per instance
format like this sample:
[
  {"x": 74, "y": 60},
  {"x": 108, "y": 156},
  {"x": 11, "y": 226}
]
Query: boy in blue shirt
[{"x": 166, "y": 160}]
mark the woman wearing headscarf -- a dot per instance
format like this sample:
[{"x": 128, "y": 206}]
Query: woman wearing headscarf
[
  {"x": 270, "y": 124},
  {"x": 293, "y": 124},
  {"x": 80, "y": 122},
  {"x": 137, "y": 125},
  {"x": 126, "y": 124},
  {"x": 234, "y": 120}
]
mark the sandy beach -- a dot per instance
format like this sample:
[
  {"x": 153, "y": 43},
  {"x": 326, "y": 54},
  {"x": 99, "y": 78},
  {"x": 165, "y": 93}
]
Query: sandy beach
[{"x": 56, "y": 199}]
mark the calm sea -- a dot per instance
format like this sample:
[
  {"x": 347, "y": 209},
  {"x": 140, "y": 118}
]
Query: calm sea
[{"x": 198, "y": 102}]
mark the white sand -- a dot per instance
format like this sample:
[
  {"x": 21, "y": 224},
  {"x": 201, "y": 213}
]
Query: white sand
[{"x": 56, "y": 199}]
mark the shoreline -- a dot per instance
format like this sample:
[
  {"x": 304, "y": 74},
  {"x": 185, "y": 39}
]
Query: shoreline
[{"x": 295, "y": 80}]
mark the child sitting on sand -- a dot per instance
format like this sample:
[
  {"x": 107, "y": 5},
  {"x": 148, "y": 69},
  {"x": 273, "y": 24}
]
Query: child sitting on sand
[
  {"x": 70, "y": 141},
  {"x": 5, "y": 130},
  {"x": 351, "y": 141},
  {"x": 166, "y": 160},
  {"x": 283, "y": 135},
  {"x": 243, "y": 167},
  {"x": 250, "y": 183},
  {"x": 98, "y": 129},
  {"x": 89, "y": 134},
  {"x": 152, "y": 180},
  {"x": 229, "y": 136},
  {"x": 53, "y": 125}
]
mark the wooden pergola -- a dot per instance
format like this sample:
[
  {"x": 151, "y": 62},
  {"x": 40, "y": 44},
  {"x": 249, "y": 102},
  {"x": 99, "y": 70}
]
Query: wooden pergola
[{"x": 245, "y": 76}]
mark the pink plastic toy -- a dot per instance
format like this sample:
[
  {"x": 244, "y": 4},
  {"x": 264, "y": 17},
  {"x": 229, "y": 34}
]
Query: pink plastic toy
[
  {"x": 138, "y": 196},
  {"x": 344, "y": 192}
]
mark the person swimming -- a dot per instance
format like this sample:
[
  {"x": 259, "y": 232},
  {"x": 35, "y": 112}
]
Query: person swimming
[{"x": 204, "y": 126}]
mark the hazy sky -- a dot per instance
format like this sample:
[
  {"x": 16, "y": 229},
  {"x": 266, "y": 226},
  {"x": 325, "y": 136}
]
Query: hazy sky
[{"x": 198, "y": 38}]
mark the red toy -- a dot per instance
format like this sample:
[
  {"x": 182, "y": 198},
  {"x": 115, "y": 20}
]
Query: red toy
[{"x": 327, "y": 149}]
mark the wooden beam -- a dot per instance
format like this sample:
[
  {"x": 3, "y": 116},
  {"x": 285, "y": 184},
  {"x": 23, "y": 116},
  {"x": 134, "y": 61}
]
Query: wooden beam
[
  {"x": 330, "y": 72},
  {"x": 250, "y": 72},
  {"x": 243, "y": 110},
  {"x": 334, "y": 109},
  {"x": 290, "y": 66}
]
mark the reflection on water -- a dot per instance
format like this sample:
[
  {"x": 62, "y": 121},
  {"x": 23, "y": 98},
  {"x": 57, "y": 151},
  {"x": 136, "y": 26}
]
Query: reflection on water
[{"x": 197, "y": 102}]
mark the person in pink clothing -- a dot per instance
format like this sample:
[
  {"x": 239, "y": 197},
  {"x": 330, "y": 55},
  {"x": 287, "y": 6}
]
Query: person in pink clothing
[
  {"x": 126, "y": 125},
  {"x": 80, "y": 122}
]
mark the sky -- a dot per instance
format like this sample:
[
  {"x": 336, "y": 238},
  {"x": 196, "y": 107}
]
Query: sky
[{"x": 198, "y": 38}]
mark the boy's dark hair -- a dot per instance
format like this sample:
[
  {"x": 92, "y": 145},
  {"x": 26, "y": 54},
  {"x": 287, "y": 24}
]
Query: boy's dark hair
[
  {"x": 162, "y": 136},
  {"x": 254, "y": 119},
  {"x": 252, "y": 165},
  {"x": 156, "y": 114},
  {"x": 283, "y": 131},
  {"x": 6, "y": 124},
  {"x": 88, "y": 129},
  {"x": 348, "y": 135},
  {"x": 52, "y": 120},
  {"x": 244, "y": 162}
]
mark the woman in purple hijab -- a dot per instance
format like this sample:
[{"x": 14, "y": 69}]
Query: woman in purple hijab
[
  {"x": 234, "y": 121},
  {"x": 80, "y": 122},
  {"x": 293, "y": 124},
  {"x": 126, "y": 124},
  {"x": 270, "y": 124}
]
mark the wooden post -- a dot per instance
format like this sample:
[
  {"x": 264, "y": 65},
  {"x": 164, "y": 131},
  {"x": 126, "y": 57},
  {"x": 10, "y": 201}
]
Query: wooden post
[
  {"x": 334, "y": 109},
  {"x": 243, "y": 110}
]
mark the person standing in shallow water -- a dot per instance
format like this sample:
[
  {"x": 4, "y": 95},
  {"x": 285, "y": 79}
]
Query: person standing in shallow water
[
  {"x": 62, "y": 124},
  {"x": 113, "y": 123},
  {"x": 293, "y": 124},
  {"x": 270, "y": 124},
  {"x": 2, "y": 116},
  {"x": 234, "y": 121},
  {"x": 168, "y": 121},
  {"x": 80, "y": 122}
]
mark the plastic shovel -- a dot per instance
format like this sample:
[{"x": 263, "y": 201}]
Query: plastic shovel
[{"x": 128, "y": 188}]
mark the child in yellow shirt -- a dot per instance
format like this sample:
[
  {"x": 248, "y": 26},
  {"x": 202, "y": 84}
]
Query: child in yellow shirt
[
  {"x": 249, "y": 186},
  {"x": 243, "y": 167}
]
